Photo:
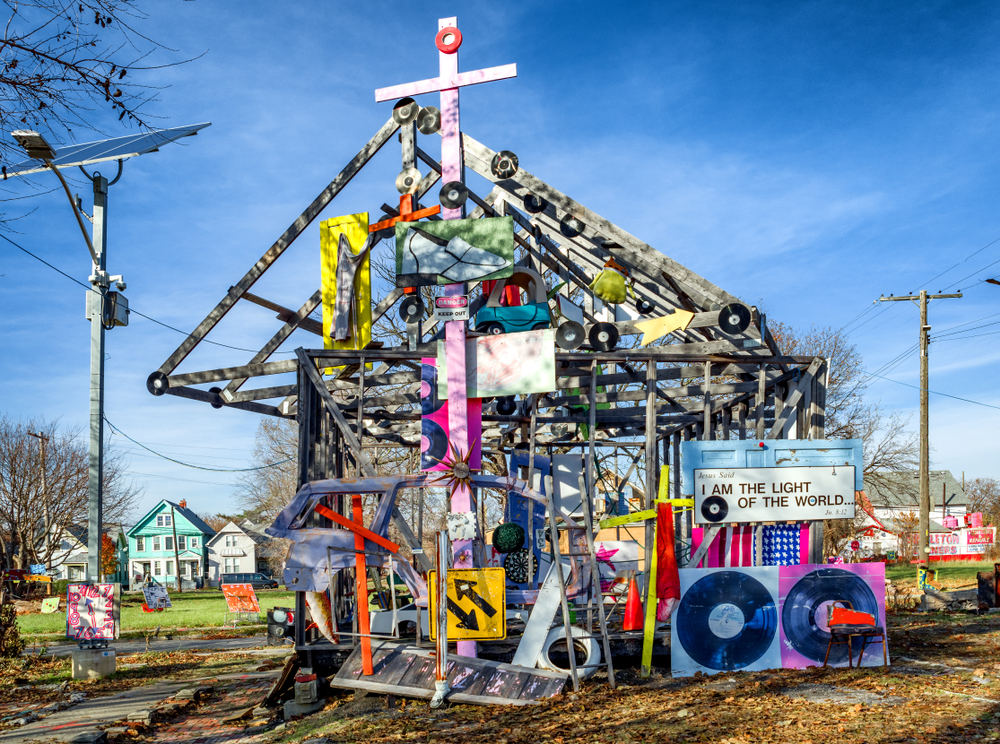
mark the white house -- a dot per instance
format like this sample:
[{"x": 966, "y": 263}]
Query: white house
[
  {"x": 242, "y": 548},
  {"x": 69, "y": 560}
]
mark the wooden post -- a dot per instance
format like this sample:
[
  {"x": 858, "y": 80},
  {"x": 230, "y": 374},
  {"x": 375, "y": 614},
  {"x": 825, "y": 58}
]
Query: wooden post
[
  {"x": 761, "y": 398},
  {"x": 361, "y": 575},
  {"x": 709, "y": 433},
  {"x": 441, "y": 605}
]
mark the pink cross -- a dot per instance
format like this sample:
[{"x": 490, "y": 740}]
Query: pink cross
[{"x": 448, "y": 82}]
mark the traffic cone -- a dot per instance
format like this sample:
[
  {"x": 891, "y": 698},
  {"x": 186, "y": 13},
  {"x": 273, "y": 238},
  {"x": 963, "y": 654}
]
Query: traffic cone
[{"x": 633, "y": 608}]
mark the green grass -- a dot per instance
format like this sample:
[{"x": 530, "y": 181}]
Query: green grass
[
  {"x": 196, "y": 609},
  {"x": 949, "y": 572}
]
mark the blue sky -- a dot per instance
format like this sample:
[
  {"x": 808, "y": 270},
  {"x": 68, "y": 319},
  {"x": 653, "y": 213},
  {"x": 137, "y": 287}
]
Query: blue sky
[{"x": 809, "y": 156}]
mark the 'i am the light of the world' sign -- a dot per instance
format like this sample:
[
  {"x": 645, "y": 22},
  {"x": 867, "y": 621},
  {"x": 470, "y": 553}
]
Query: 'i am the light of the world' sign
[{"x": 798, "y": 494}]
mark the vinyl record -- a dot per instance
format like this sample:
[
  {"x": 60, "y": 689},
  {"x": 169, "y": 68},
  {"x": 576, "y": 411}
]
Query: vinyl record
[
  {"x": 216, "y": 390},
  {"x": 408, "y": 181},
  {"x": 643, "y": 306},
  {"x": 570, "y": 226},
  {"x": 411, "y": 308},
  {"x": 534, "y": 204},
  {"x": 453, "y": 195},
  {"x": 603, "y": 336},
  {"x": 504, "y": 164},
  {"x": 429, "y": 400},
  {"x": 405, "y": 111},
  {"x": 429, "y": 120},
  {"x": 808, "y": 596},
  {"x": 726, "y": 621},
  {"x": 506, "y": 405},
  {"x": 734, "y": 318},
  {"x": 433, "y": 444},
  {"x": 570, "y": 335},
  {"x": 714, "y": 509}
]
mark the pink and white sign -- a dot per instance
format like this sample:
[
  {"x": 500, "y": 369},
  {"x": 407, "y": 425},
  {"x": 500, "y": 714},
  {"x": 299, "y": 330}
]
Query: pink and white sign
[{"x": 92, "y": 612}]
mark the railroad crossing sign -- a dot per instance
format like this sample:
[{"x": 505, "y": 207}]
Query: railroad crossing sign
[{"x": 477, "y": 601}]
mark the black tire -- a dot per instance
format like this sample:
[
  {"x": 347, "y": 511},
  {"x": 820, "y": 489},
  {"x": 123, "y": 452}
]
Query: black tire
[
  {"x": 539, "y": 326},
  {"x": 495, "y": 329}
]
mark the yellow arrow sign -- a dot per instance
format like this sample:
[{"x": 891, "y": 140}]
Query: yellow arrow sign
[
  {"x": 656, "y": 328},
  {"x": 477, "y": 604}
]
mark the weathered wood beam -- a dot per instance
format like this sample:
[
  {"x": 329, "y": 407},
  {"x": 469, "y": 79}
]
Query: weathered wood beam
[
  {"x": 791, "y": 404},
  {"x": 285, "y": 314}
]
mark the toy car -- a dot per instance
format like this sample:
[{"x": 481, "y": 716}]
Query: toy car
[{"x": 496, "y": 318}]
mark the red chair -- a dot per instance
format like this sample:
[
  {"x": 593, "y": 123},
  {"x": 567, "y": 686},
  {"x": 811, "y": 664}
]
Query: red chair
[{"x": 846, "y": 624}]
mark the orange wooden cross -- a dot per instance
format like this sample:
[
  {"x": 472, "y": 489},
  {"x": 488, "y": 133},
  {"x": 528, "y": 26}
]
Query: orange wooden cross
[{"x": 406, "y": 214}]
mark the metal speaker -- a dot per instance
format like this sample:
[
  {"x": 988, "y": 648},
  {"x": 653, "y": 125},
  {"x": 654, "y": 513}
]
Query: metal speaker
[
  {"x": 504, "y": 164},
  {"x": 217, "y": 391},
  {"x": 157, "y": 383},
  {"x": 570, "y": 335},
  {"x": 570, "y": 226},
  {"x": 453, "y": 195},
  {"x": 405, "y": 111},
  {"x": 603, "y": 336},
  {"x": 643, "y": 306},
  {"x": 408, "y": 181},
  {"x": 429, "y": 120},
  {"x": 411, "y": 309},
  {"x": 534, "y": 204},
  {"x": 734, "y": 318},
  {"x": 506, "y": 405}
]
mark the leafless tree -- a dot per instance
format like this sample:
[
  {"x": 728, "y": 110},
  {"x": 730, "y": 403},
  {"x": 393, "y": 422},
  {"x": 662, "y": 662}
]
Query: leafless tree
[
  {"x": 36, "y": 511},
  {"x": 66, "y": 64},
  {"x": 984, "y": 496}
]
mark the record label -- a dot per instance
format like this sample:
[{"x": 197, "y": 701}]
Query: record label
[{"x": 726, "y": 620}]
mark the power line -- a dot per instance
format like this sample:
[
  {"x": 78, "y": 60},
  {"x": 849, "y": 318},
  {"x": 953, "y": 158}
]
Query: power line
[
  {"x": 935, "y": 392},
  {"x": 971, "y": 255},
  {"x": 116, "y": 430},
  {"x": 132, "y": 309}
]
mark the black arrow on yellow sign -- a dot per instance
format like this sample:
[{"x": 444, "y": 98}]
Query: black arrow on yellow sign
[
  {"x": 464, "y": 589},
  {"x": 467, "y": 620}
]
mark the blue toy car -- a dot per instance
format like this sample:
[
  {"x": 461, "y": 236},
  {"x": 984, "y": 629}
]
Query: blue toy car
[{"x": 496, "y": 318}]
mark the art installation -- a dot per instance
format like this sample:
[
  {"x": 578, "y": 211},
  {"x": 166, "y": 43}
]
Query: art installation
[
  {"x": 345, "y": 273},
  {"x": 92, "y": 611},
  {"x": 434, "y": 426},
  {"x": 507, "y": 364},
  {"x": 453, "y": 251},
  {"x": 733, "y": 619}
]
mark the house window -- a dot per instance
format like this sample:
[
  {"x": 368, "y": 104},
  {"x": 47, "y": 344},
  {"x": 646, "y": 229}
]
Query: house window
[
  {"x": 232, "y": 565},
  {"x": 166, "y": 520},
  {"x": 140, "y": 545},
  {"x": 230, "y": 541},
  {"x": 75, "y": 573},
  {"x": 168, "y": 543},
  {"x": 156, "y": 568},
  {"x": 170, "y": 568},
  {"x": 156, "y": 542},
  {"x": 159, "y": 521},
  {"x": 181, "y": 540},
  {"x": 194, "y": 542}
]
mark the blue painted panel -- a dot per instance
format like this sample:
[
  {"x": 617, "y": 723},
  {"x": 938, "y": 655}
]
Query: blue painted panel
[{"x": 776, "y": 453}]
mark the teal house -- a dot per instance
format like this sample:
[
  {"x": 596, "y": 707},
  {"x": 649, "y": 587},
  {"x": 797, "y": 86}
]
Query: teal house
[{"x": 152, "y": 553}]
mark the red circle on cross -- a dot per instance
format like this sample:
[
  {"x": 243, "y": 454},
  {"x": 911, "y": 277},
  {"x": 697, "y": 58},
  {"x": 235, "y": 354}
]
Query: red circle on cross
[
  {"x": 448, "y": 39},
  {"x": 855, "y": 545}
]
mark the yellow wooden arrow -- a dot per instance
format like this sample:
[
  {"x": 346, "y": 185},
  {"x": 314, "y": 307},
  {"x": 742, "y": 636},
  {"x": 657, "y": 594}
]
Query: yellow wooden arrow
[{"x": 656, "y": 328}]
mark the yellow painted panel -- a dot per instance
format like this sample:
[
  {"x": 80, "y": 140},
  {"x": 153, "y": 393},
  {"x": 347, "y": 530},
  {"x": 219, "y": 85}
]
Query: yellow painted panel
[{"x": 355, "y": 229}]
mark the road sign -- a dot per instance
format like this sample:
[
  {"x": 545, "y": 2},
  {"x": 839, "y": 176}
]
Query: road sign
[
  {"x": 477, "y": 601},
  {"x": 451, "y": 307}
]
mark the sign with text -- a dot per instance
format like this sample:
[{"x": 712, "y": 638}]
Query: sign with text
[
  {"x": 962, "y": 542},
  {"x": 477, "y": 604},
  {"x": 156, "y": 597},
  {"x": 800, "y": 494},
  {"x": 451, "y": 307},
  {"x": 92, "y": 611}
]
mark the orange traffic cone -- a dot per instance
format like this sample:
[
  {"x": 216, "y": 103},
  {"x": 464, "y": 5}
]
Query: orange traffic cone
[{"x": 633, "y": 608}]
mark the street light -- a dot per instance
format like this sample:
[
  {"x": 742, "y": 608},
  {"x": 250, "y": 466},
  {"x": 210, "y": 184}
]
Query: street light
[{"x": 108, "y": 308}]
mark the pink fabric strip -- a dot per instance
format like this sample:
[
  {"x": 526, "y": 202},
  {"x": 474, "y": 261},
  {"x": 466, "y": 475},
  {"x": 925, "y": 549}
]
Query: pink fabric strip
[
  {"x": 748, "y": 536},
  {"x": 804, "y": 543},
  {"x": 697, "y": 535}
]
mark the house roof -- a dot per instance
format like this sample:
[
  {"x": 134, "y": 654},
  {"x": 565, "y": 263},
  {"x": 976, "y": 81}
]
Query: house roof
[
  {"x": 903, "y": 489},
  {"x": 897, "y": 528},
  {"x": 266, "y": 544},
  {"x": 197, "y": 522}
]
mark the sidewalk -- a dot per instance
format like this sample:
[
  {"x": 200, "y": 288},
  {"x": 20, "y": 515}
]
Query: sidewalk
[{"x": 178, "y": 644}]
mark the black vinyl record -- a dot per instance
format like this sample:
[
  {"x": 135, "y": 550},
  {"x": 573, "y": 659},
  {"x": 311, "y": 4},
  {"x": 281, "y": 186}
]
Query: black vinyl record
[
  {"x": 506, "y": 405},
  {"x": 603, "y": 336},
  {"x": 734, "y": 318},
  {"x": 570, "y": 335},
  {"x": 570, "y": 226},
  {"x": 808, "y": 595},
  {"x": 504, "y": 164},
  {"x": 411, "y": 309},
  {"x": 453, "y": 195},
  {"x": 643, "y": 306},
  {"x": 429, "y": 120},
  {"x": 429, "y": 400},
  {"x": 714, "y": 508},
  {"x": 534, "y": 204},
  {"x": 433, "y": 445},
  {"x": 405, "y": 110},
  {"x": 726, "y": 620}
]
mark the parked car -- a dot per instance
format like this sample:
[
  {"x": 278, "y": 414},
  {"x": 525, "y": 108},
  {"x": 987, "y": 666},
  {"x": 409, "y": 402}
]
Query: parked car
[{"x": 258, "y": 580}]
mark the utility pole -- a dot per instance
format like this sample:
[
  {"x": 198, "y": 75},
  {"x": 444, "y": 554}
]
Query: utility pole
[{"x": 923, "y": 538}]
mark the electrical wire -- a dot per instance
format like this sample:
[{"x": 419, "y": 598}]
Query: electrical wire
[
  {"x": 935, "y": 392},
  {"x": 971, "y": 255},
  {"x": 118, "y": 431},
  {"x": 132, "y": 310}
]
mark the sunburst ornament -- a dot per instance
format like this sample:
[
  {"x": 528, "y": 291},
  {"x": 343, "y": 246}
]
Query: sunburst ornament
[{"x": 459, "y": 472}]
